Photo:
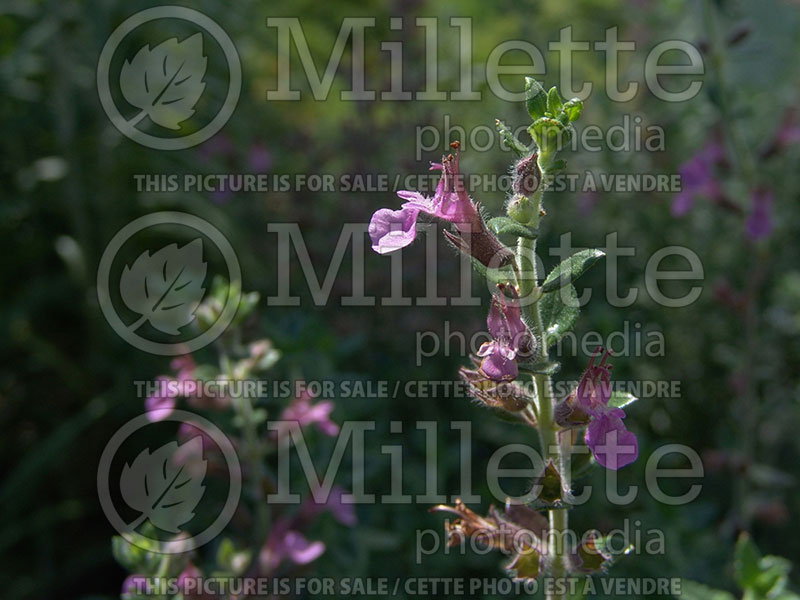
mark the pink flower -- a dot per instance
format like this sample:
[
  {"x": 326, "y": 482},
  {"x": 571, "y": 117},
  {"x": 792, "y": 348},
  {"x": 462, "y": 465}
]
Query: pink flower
[
  {"x": 305, "y": 413},
  {"x": 135, "y": 586},
  {"x": 612, "y": 445},
  {"x": 697, "y": 177},
  {"x": 334, "y": 503},
  {"x": 260, "y": 159},
  {"x": 391, "y": 230},
  {"x": 759, "y": 223},
  {"x": 286, "y": 543},
  {"x": 510, "y": 337},
  {"x": 160, "y": 405}
]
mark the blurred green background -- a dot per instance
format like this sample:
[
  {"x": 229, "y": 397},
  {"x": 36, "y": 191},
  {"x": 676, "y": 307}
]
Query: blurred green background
[{"x": 68, "y": 186}]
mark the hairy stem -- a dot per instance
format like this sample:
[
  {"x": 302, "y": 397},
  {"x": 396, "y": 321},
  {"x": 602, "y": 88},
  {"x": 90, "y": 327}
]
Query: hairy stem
[{"x": 526, "y": 262}]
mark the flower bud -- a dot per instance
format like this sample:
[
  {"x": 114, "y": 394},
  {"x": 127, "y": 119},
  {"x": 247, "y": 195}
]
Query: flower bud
[
  {"x": 527, "y": 175},
  {"x": 522, "y": 209}
]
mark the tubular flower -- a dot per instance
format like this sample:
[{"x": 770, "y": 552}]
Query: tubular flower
[
  {"x": 612, "y": 445},
  {"x": 510, "y": 337},
  {"x": 391, "y": 230}
]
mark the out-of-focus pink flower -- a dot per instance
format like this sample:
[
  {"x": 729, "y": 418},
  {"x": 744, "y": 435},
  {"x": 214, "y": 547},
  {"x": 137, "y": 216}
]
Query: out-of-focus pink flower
[
  {"x": 333, "y": 503},
  {"x": 305, "y": 413},
  {"x": 698, "y": 178},
  {"x": 218, "y": 146},
  {"x": 286, "y": 543},
  {"x": 788, "y": 133},
  {"x": 189, "y": 582},
  {"x": 135, "y": 585},
  {"x": 759, "y": 222},
  {"x": 187, "y": 431},
  {"x": 160, "y": 405},
  {"x": 220, "y": 197},
  {"x": 259, "y": 159}
]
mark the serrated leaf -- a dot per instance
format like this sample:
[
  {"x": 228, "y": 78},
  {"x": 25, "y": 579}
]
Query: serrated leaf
[
  {"x": 511, "y": 142},
  {"x": 508, "y": 226},
  {"x": 166, "y": 288},
  {"x": 571, "y": 268},
  {"x": 621, "y": 399},
  {"x": 162, "y": 490},
  {"x": 535, "y": 98},
  {"x": 165, "y": 82},
  {"x": 559, "y": 312},
  {"x": 691, "y": 590}
]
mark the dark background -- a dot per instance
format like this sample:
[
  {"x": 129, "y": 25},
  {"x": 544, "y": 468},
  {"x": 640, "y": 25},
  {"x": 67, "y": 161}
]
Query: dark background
[{"x": 67, "y": 181}]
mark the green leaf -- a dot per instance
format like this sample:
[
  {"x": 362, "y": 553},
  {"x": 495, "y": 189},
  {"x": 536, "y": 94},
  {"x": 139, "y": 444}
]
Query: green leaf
[
  {"x": 571, "y": 268},
  {"x": 511, "y": 142},
  {"x": 547, "y": 132},
  {"x": 691, "y": 590},
  {"x": 745, "y": 562},
  {"x": 559, "y": 312},
  {"x": 573, "y": 109},
  {"x": 507, "y": 225},
  {"x": 621, "y": 399},
  {"x": 773, "y": 576},
  {"x": 556, "y": 166},
  {"x": 554, "y": 102},
  {"x": 535, "y": 98},
  {"x": 494, "y": 276}
]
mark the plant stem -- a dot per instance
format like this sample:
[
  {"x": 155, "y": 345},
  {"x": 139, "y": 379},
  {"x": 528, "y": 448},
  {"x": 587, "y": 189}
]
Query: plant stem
[
  {"x": 526, "y": 262},
  {"x": 243, "y": 406}
]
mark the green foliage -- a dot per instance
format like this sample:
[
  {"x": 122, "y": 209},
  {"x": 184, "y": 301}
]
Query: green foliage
[
  {"x": 571, "y": 268},
  {"x": 559, "y": 311},
  {"x": 508, "y": 226}
]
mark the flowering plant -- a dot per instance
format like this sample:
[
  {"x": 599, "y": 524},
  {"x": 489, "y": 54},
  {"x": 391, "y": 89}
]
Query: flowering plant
[
  {"x": 527, "y": 316},
  {"x": 261, "y": 541}
]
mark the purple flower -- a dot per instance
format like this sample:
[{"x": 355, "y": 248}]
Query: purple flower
[
  {"x": 344, "y": 513},
  {"x": 510, "y": 337},
  {"x": 160, "y": 405},
  {"x": 188, "y": 582},
  {"x": 260, "y": 159},
  {"x": 305, "y": 413},
  {"x": 285, "y": 543},
  {"x": 219, "y": 145},
  {"x": 697, "y": 177},
  {"x": 759, "y": 223},
  {"x": 135, "y": 585},
  {"x": 612, "y": 445},
  {"x": 394, "y": 229},
  {"x": 391, "y": 230}
]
